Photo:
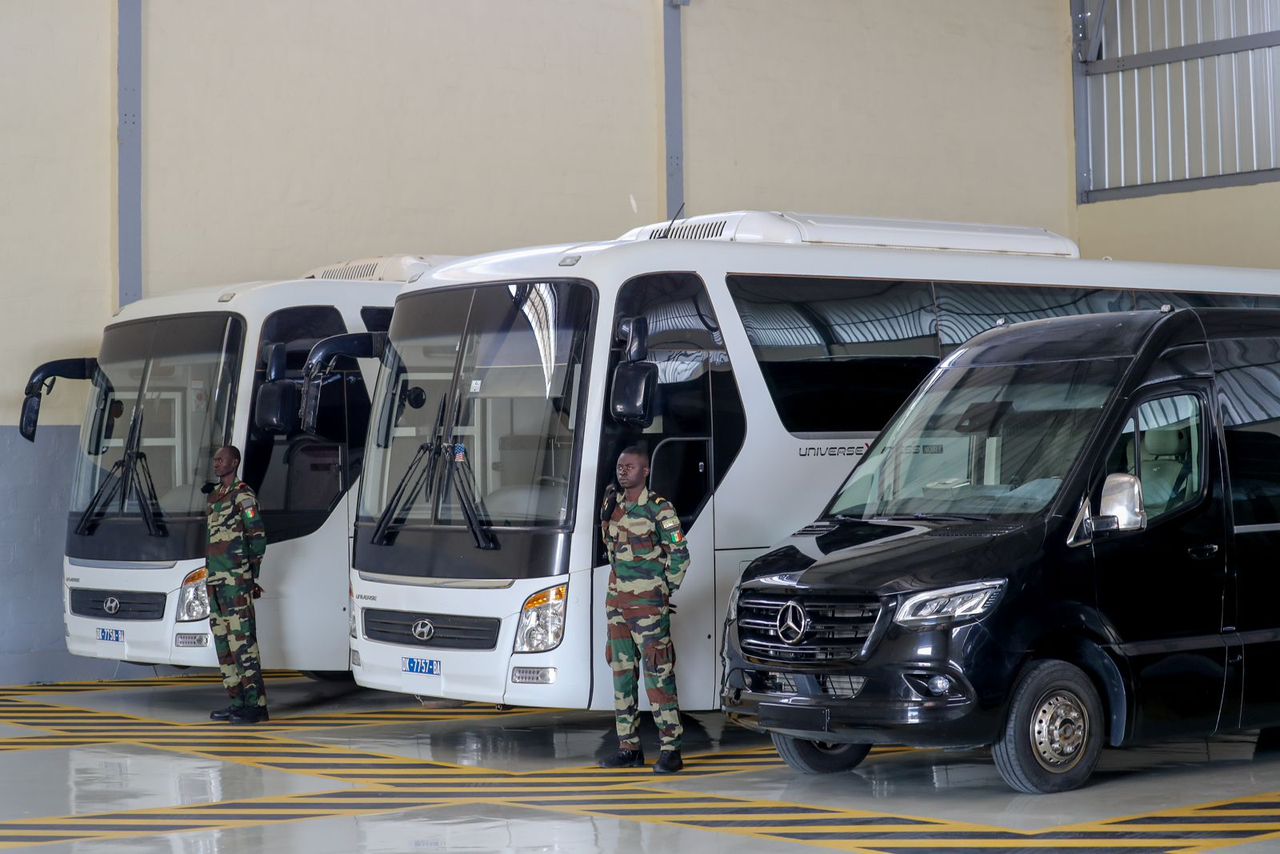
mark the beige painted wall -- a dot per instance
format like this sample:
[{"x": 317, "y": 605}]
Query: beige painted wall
[
  {"x": 284, "y": 135},
  {"x": 57, "y": 162},
  {"x": 1236, "y": 226},
  {"x": 925, "y": 109}
]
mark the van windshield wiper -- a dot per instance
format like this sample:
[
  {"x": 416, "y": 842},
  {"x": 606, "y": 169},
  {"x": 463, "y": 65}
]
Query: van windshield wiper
[
  {"x": 420, "y": 471},
  {"x": 932, "y": 517},
  {"x": 465, "y": 487}
]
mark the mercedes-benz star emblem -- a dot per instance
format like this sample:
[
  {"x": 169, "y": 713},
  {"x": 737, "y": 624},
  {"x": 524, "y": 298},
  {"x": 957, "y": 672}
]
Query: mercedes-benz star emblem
[
  {"x": 793, "y": 622},
  {"x": 423, "y": 630},
  {"x": 111, "y": 605}
]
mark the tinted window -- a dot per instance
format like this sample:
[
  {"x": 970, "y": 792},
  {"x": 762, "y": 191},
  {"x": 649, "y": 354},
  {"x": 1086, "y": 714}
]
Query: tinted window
[
  {"x": 966, "y": 310},
  {"x": 1248, "y": 373},
  {"x": 838, "y": 355},
  {"x": 376, "y": 318},
  {"x": 1165, "y": 451},
  {"x": 1156, "y": 299},
  {"x": 698, "y": 426},
  {"x": 300, "y": 477}
]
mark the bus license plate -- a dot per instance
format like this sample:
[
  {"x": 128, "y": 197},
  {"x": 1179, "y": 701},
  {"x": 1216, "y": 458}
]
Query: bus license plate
[
  {"x": 113, "y": 635},
  {"x": 425, "y": 666}
]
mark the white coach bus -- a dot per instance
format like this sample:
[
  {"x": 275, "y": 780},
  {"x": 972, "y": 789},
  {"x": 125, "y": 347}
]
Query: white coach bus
[
  {"x": 177, "y": 377},
  {"x": 753, "y": 354}
]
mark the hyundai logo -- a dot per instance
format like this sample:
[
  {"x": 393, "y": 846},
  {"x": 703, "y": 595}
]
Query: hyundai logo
[
  {"x": 111, "y": 605},
  {"x": 793, "y": 622},
  {"x": 423, "y": 630}
]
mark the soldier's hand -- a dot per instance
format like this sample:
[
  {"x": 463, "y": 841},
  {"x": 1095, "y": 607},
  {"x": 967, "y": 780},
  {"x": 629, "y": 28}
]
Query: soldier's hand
[{"x": 257, "y": 590}]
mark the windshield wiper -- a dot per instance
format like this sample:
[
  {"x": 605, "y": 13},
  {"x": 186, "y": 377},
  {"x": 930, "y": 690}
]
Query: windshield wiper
[
  {"x": 933, "y": 517},
  {"x": 396, "y": 513},
  {"x": 465, "y": 487},
  {"x": 130, "y": 473}
]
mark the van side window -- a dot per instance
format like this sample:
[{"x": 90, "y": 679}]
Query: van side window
[
  {"x": 1165, "y": 452},
  {"x": 1248, "y": 374}
]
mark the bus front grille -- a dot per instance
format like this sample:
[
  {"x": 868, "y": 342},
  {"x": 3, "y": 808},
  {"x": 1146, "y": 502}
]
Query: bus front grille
[
  {"x": 820, "y": 629},
  {"x": 117, "y": 604},
  {"x": 442, "y": 631}
]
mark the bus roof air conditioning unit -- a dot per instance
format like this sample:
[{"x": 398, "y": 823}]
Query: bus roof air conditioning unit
[
  {"x": 798, "y": 228},
  {"x": 388, "y": 268}
]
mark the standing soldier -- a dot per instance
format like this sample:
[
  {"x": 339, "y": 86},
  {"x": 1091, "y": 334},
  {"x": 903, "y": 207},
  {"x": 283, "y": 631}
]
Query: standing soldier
[
  {"x": 237, "y": 542},
  {"x": 649, "y": 557}
]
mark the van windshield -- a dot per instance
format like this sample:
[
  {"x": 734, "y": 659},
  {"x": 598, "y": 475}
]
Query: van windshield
[{"x": 992, "y": 441}]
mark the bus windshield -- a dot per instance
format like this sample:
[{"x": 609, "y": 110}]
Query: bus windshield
[
  {"x": 981, "y": 442},
  {"x": 476, "y": 407},
  {"x": 161, "y": 404}
]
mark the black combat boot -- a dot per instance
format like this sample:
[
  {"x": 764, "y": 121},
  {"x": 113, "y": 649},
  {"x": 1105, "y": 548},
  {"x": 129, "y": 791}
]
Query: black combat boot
[
  {"x": 624, "y": 758},
  {"x": 250, "y": 715},
  {"x": 223, "y": 714},
  {"x": 669, "y": 762}
]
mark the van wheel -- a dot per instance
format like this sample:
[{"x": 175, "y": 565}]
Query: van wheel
[
  {"x": 818, "y": 757},
  {"x": 329, "y": 675},
  {"x": 1053, "y": 737}
]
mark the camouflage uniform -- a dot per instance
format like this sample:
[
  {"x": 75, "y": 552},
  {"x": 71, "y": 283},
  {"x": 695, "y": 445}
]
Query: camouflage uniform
[
  {"x": 237, "y": 542},
  {"x": 649, "y": 556}
]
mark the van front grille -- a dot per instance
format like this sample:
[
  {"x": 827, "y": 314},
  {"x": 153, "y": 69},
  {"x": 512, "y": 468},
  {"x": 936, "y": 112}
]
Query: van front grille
[
  {"x": 443, "y": 631},
  {"x": 833, "y": 628}
]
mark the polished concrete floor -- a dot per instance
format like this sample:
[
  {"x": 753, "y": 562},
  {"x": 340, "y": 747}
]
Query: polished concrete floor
[{"x": 136, "y": 767}]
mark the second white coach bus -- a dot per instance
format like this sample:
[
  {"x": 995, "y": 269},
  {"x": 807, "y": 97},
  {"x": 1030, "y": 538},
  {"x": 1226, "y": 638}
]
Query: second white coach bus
[
  {"x": 753, "y": 354},
  {"x": 177, "y": 377}
]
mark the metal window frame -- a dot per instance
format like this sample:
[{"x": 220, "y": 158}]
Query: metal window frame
[{"x": 1088, "y": 18}]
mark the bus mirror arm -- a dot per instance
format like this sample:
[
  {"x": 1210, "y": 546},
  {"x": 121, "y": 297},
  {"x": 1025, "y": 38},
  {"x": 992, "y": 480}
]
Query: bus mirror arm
[
  {"x": 633, "y": 332},
  {"x": 41, "y": 383},
  {"x": 355, "y": 345}
]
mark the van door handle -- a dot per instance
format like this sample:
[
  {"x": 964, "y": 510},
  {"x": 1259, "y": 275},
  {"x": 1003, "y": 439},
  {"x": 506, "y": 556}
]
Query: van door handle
[{"x": 1202, "y": 552}]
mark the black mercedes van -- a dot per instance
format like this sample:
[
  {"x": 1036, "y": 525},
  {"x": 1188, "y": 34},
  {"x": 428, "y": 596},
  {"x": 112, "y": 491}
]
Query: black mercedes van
[{"x": 1069, "y": 536}]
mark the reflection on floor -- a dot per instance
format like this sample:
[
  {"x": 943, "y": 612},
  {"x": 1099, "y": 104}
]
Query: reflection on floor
[{"x": 137, "y": 767}]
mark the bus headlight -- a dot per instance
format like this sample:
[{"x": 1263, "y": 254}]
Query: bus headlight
[
  {"x": 193, "y": 598},
  {"x": 542, "y": 620},
  {"x": 949, "y": 605}
]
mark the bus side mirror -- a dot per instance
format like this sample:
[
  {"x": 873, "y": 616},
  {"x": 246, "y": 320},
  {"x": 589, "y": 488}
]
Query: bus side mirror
[
  {"x": 631, "y": 398},
  {"x": 634, "y": 333},
  {"x": 30, "y": 417},
  {"x": 1120, "y": 509},
  {"x": 276, "y": 408},
  {"x": 277, "y": 359}
]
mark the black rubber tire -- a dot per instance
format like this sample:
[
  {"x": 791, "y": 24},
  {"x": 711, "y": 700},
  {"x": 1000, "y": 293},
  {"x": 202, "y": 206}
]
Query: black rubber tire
[
  {"x": 1044, "y": 687},
  {"x": 814, "y": 757},
  {"x": 329, "y": 675}
]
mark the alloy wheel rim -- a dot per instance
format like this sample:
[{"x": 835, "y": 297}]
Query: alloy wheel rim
[{"x": 1059, "y": 730}]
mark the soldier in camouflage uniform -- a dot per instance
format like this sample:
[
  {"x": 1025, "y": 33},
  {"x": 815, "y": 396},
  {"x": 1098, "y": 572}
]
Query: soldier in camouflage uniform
[
  {"x": 649, "y": 557},
  {"x": 237, "y": 542}
]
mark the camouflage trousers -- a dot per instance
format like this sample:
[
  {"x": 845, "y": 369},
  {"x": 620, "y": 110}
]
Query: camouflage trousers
[
  {"x": 640, "y": 630},
  {"x": 235, "y": 639}
]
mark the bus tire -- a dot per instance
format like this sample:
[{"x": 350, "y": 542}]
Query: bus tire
[
  {"x": 1053, "y": 736},
  {"x": 818, "y": 757},
  {"x": 329, "y": 675}
]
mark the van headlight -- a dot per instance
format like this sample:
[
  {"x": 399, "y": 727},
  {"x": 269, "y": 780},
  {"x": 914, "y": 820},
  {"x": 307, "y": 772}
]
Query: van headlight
[
  {"x": 949, "y": 605},
  {"x": 541, "y": 624},
  {"x": 193, "y": 598}
]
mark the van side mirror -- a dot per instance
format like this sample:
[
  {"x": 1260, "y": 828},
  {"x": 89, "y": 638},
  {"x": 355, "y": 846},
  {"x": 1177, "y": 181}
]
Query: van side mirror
[
  {"x": 631, "y": 397},
  {"x": 1120, "y": 509},
  {"x": 276, "y": 408}
]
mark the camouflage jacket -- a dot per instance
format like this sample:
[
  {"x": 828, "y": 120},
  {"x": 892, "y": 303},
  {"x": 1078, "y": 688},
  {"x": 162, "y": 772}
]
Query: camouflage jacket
[
  {"x": 237, "y": 539},
  {"x": 645, "y": 543}
]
